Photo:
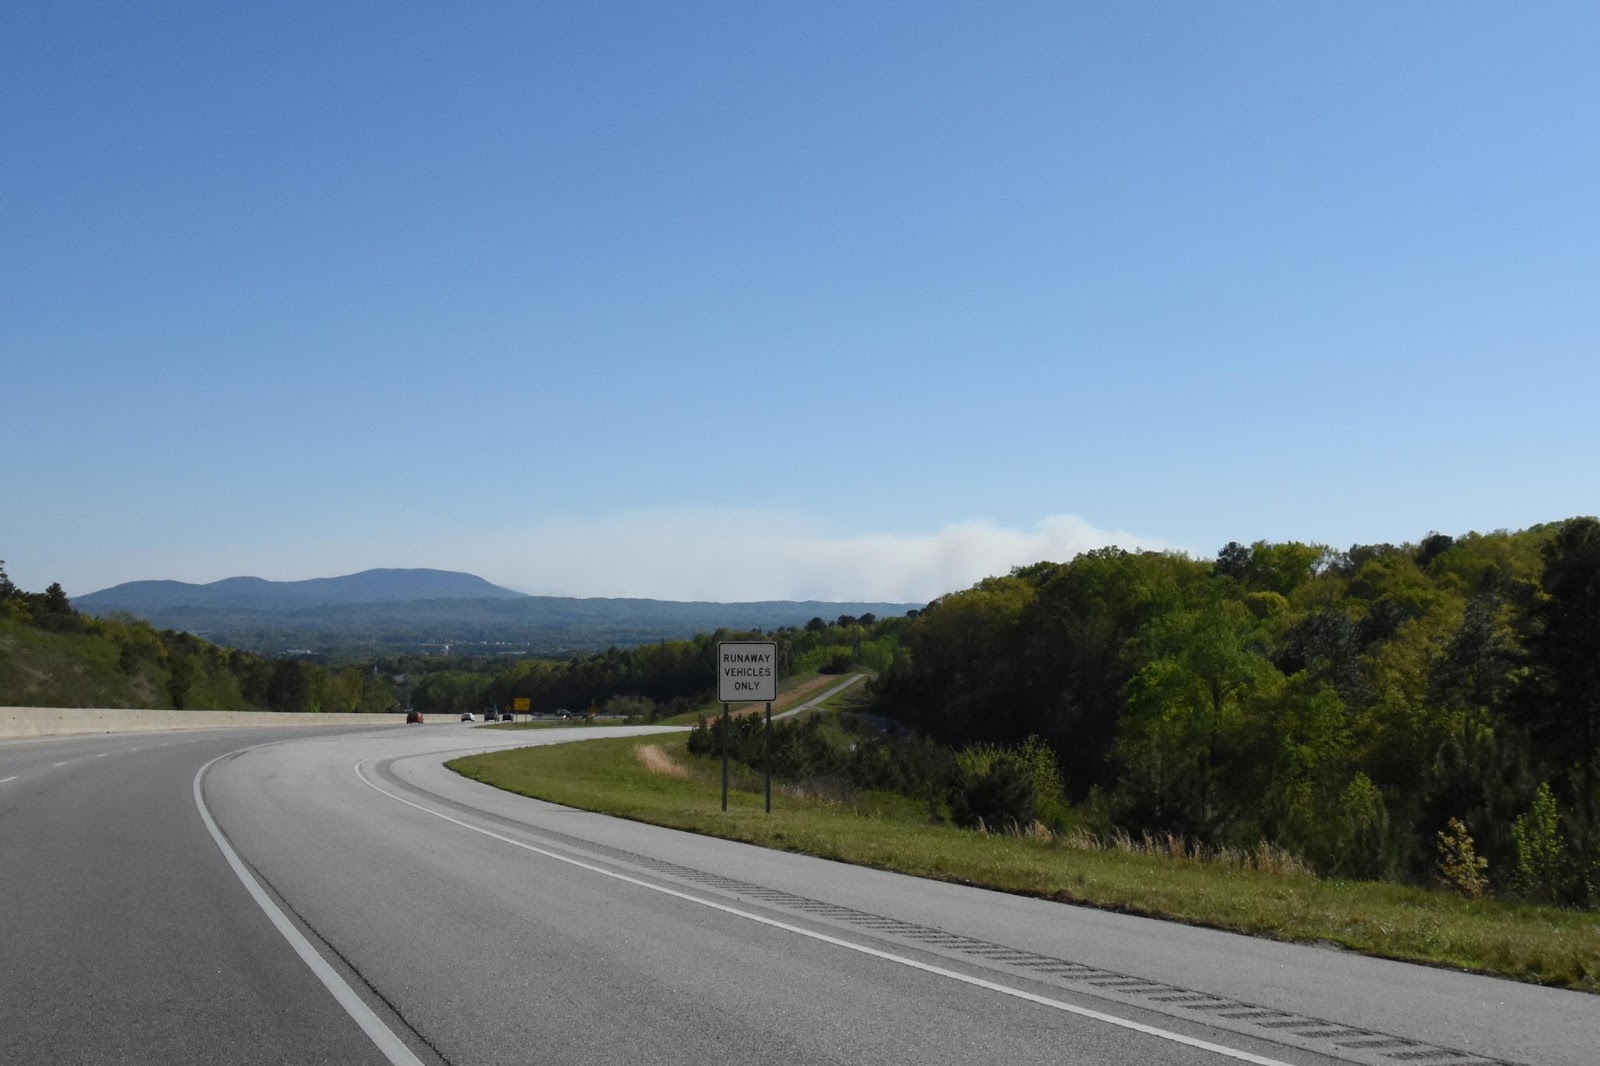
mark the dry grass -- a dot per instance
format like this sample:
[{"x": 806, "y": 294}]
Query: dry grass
[
  {"x": 1266, "y": 857},
  {"x": 654, "y": 757}
]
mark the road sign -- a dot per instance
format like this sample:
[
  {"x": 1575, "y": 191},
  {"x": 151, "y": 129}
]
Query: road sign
[
  {"x": 521, "y": 703},
  {"x": 747, "y": 671}
]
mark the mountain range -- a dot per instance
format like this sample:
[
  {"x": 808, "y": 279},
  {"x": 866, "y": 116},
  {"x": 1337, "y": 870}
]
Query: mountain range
[
  {"x": 390, "y": 611},
  {"x": 254, "y": 593}
]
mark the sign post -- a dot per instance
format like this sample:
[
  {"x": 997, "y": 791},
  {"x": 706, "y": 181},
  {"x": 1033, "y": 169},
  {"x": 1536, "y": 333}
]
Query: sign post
[{"x": 747, "y": 672}]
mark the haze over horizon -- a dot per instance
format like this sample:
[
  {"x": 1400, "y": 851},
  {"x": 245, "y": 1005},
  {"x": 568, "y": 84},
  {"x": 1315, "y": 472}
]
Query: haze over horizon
[
  {"x": 734, "y": 303},
  {"x": 757, "y": 564}
]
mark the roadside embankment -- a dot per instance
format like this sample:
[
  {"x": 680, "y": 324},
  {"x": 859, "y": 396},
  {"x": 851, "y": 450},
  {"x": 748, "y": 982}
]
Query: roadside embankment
[
  {"x": 657, "y": 780},
  {"x": 66, "y": 721}
]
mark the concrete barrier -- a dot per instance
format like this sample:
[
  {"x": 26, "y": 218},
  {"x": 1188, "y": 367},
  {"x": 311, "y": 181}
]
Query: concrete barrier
[{"x": 66, "y": 721}]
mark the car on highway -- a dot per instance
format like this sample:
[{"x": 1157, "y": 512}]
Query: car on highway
[
  {"x": 507, "y": 716},
  {"x": 413, "y": 717},
  {"x": 468, "y": 716}
]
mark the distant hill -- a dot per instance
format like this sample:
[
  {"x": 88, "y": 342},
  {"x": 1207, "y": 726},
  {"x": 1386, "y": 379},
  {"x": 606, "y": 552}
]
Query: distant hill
[
  {"x": 401, "y": 610},
  {"x": 259, "y": 594}
]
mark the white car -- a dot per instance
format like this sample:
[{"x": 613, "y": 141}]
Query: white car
[{"x": 468, "y": 716}]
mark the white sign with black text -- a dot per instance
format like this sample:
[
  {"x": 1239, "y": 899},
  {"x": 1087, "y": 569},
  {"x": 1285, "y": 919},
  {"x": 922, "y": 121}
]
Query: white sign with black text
[{"x": 747, "y": 672}]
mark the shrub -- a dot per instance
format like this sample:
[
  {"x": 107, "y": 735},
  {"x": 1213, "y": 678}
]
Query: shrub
[
  {"x": 1033, "y": 758},
  {"x": 629, "y": 706},
  {"x": 1001, "y": 797},
  {"x": 913, "y": 766},
  {"x": 1005, "y": 786},
  {"x": 702, "y": 741},
  {"x": 1460, "y": 866},
  {"x": 1543, "y": 872},
  {"x": 800, "y": 751}
]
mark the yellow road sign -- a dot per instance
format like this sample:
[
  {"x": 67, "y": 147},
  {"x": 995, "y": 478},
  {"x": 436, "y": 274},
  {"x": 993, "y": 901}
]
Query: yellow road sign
[{"x": 521, "y": 703}]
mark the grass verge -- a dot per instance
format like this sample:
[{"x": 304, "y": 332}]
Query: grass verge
[{"x": 655, "y": 780}]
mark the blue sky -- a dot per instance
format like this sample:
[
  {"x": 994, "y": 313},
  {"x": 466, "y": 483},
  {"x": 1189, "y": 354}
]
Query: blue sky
[{"x": 733, "y": 300}]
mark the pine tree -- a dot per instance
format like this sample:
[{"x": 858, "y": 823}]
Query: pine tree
[{"x": 1561, "y": 703}]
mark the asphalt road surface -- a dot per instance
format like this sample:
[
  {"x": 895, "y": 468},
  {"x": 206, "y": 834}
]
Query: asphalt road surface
[{"x": 300, "y": 897}]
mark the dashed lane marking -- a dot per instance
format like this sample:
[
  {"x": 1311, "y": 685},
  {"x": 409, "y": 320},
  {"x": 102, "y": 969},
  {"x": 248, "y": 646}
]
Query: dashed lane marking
[{"x": 1307, "y": 1032}]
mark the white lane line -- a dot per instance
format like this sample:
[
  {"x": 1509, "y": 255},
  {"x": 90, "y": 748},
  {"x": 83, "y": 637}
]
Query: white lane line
[
  {"x": 393, "y": 1048},
  {"x": 992, "y": 986},
  {"x": 3, "y": 780},
  {"x": 102, "y": 755},
  {"x": 63, "y": 762}
]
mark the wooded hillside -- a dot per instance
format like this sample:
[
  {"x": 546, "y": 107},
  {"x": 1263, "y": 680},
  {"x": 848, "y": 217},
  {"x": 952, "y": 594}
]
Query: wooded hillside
[{"x": 1351, "y": 706}]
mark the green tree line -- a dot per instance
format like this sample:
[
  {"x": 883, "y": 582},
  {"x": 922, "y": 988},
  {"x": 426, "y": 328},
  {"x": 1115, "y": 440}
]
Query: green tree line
[
  {"x": 648, "y": 680},
  {"x": 1375, "y": 711}
]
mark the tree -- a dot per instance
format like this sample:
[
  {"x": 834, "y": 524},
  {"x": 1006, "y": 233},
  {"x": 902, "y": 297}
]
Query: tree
[
  {"x": 52, "y": 610},
  {"x": 1561, "y": 704},
  {"x": 13, "y": 601},
  {"x": 180, "y": 678},
  {"x": 1185, "y": 715},
  {"x": 1475, "y": 670},
  {"x": 288, "y": 690},
  {"x": 55, "y": 600},
  {"x": 1234, "y": 561},
  {"x": 1433, "y": 546},
  {"x": 1282, "y": 568},
  {"x": 1327, "y": 645}
]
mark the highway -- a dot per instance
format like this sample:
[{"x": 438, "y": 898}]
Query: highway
[{"x": 334, "y": 896}]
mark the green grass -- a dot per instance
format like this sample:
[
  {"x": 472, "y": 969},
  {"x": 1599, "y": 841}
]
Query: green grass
[
  {"x": 1539, "y": 944},
  {"x": 710, "y": 710}
]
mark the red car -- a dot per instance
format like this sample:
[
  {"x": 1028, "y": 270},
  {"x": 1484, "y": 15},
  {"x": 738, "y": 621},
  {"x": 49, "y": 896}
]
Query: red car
[{"x": 413, "y": 716}]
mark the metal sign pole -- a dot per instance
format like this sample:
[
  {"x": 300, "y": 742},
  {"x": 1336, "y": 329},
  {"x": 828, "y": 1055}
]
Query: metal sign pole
[
  {"x": 769, "y": 758},
  {"x": 747, "y": 672}
]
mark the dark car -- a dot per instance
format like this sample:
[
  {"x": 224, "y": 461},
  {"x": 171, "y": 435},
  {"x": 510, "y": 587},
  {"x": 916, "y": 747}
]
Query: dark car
[{"x": 413, "y": 716}]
